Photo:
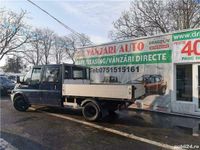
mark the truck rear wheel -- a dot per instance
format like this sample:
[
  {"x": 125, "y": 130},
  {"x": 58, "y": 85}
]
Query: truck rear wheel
[
  {"x": 20, "y": 104},
  {"x": 91, "y": 111}
]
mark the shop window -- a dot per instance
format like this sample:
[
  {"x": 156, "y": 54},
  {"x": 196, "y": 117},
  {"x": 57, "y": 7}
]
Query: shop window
[
  {"x": 184, "y": 82},
  {"x": 199, "y": 84}
]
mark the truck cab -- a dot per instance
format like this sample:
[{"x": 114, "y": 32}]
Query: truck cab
[{"x": 43, "y": 84}]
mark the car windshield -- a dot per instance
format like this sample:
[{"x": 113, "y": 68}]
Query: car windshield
[
  {"x": 4, "y": 80},
  {"x": 12, "y": 77}
]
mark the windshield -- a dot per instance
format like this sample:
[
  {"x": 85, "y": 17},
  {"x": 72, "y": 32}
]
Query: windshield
[{"x": 27, "y": 77}]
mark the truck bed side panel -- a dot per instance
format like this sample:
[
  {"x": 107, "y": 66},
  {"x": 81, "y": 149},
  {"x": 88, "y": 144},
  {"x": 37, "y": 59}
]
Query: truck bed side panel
[{"x": 101, "y": 91}]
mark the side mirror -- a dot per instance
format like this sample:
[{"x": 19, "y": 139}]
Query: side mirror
[{"x": 20, "y": 79}]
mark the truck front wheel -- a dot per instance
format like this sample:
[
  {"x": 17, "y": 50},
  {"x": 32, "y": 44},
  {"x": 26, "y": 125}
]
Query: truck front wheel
[
  {"x": 91, "y": 111},
  {"x": 20, "y": 104}
]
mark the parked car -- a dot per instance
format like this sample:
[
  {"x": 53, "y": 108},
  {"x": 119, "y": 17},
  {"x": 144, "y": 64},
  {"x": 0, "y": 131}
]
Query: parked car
[
  {"x": 153, "y": 83},
  {"x": 13, "y": 78},
  {"x": 3, "y": 75},
  {"x": 6, "y": 85},
  {"x": 110, "y": 79}
]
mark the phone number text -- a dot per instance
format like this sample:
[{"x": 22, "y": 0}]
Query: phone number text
[{"x": 116, "y": 69}]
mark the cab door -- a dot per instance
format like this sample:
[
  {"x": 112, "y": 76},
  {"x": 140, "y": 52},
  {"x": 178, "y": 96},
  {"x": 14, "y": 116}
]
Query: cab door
[
  {"x": 31, "y": 90},
  {"x": 51, "y": 85}
]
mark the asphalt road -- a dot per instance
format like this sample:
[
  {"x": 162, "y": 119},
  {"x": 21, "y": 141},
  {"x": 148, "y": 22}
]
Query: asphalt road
[{"x": 36, "y": 130}]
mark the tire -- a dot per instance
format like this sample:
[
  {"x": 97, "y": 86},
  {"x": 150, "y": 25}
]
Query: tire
[
  {"x": 112, "y": 108},
  {"x": 146, "y": 91},
  {"x": 20, "y": 104},
  {"x": 162, "y": 91},
  {"x": 91, "y": 111}
]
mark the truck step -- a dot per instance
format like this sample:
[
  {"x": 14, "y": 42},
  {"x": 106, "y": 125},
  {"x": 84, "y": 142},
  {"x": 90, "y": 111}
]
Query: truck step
[{"x": 71, "y": 105}]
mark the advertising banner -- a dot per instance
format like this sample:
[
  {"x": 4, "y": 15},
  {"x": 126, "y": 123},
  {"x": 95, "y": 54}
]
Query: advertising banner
[
  {"x": 144, "y": 62},
  {"x": 186, "y": 46}
]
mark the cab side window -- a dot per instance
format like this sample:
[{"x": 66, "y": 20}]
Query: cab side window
[
  {"x": 51, "y": 74},
  {"x": 78, "y": 73},
  {"x": 36, "y": 75}
]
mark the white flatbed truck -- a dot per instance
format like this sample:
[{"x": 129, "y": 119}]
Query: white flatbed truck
[{"x": 66, "y": 85}]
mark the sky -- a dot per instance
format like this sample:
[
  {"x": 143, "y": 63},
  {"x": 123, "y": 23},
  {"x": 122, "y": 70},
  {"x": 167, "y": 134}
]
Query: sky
[{"x": 93, "y": 18}]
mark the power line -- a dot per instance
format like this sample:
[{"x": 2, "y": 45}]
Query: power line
[{"x": 60, "y": 22}]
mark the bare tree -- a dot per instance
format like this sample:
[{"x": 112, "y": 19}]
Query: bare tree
[
  {"x": 82, "y": 40},
  {"x": 39, "y": 49},
  {"x": 33, "y": 51},
  {"x": 47, "y": 43},
  {"x": 184, "y": 13},
  {"x": 13, "y": 32},
  {"x": 72, "y": 43},
  {"x": 59, "y": 49},
  {"x": 70, "y": 48},
  {"x": 149, "y": 17}
]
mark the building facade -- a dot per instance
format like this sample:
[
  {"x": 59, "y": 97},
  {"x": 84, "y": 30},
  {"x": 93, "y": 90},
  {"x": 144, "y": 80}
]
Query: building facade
[{"x": 167, "y": 65}]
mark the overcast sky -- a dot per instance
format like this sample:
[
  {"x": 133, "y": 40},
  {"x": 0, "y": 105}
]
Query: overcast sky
[{"x": 93, "y": 17}]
